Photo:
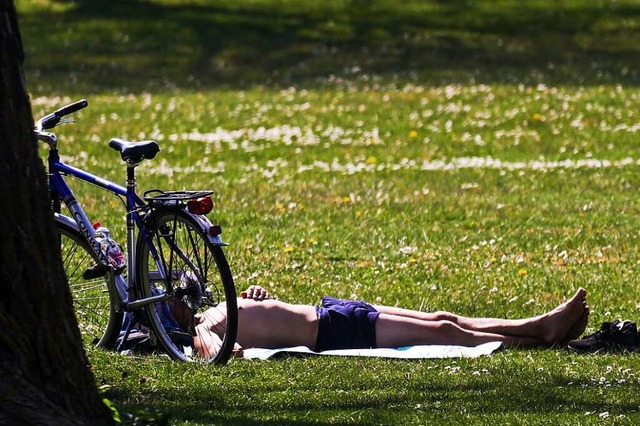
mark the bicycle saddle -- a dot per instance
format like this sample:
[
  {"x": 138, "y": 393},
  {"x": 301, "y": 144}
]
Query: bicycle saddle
[{"x": 135, "y": 152}]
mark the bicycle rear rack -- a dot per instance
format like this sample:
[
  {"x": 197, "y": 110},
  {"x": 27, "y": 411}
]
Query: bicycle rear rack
[{"x": 173, "y": 198}]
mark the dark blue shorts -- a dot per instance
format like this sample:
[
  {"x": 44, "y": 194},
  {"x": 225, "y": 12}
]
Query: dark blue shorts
[{"x": 346, "y": 324}]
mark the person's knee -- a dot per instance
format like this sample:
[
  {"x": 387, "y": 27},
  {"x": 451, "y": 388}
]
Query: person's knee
[
  {"x": 447, "y": 327},
  {"x": 446, "y": 316}
]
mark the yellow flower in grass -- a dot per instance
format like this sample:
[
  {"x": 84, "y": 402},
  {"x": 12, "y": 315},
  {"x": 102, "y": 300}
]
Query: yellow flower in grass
[
  {"x": 413, "y": 134},
  {"x": 288, "y": 249},
  {"x": 536, "y": 117},
  {"x": 372, "y": 160},
  {"x": 522, "y": 272}
]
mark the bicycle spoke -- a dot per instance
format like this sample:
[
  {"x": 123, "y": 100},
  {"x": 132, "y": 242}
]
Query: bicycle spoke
[
  {"x": 185, "y": 268},
  {"x": 98, "y": 322}
]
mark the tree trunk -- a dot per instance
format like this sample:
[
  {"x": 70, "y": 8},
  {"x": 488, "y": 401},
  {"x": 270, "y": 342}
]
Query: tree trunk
[{"x": 45, "y": 377}]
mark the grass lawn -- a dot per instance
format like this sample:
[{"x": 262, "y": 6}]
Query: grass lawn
[{"x": 473, "y": 156}]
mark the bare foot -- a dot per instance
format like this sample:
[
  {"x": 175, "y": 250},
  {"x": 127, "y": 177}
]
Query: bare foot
[
  {"x": 566, "y": 319},
  {"x": 578, "y": 328}
]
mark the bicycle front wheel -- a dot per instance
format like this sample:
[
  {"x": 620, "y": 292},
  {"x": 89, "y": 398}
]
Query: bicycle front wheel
[
  {"x": 195, "y": 277},
  {"x": 97, "y": 318}
]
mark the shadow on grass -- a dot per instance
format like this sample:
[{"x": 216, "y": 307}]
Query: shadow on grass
[
  {"x": 127, "y": 45},
  {"x": 501, "y": 398}
]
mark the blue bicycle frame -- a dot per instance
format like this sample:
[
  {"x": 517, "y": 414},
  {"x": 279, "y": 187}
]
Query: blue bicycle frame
[{"x": 60, "y": 190}]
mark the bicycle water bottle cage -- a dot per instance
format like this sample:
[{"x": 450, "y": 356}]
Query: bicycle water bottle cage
[
  {"x": 134, "y": 152},
  {"x": 180, "y": 199}
]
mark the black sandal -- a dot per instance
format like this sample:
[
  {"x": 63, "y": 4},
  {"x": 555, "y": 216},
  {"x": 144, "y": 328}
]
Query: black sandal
[{"x": 616, "y": 336}]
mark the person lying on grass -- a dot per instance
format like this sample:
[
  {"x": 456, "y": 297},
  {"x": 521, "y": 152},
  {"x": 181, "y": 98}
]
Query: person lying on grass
[{"x": 343, "y": 324}]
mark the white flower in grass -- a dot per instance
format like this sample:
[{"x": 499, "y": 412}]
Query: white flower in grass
[
  {"x": 408, "y": 249},
  {"x": 453, "y": 370}
]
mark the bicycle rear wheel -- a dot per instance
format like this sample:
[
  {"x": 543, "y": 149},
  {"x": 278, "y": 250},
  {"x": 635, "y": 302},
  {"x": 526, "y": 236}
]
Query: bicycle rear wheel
[
  {"x": 98, "y": 321},
  {"x": 196, "y": 278}
]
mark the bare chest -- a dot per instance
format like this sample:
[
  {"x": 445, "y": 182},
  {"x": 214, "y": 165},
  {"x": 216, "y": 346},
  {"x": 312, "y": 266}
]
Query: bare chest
[{"x": 274, "y": 324}]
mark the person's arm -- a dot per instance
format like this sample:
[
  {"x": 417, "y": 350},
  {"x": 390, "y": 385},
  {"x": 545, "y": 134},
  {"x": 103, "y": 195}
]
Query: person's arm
[
  {"x": 207, "y": 343},
  {"x": 255, "y": 292}
]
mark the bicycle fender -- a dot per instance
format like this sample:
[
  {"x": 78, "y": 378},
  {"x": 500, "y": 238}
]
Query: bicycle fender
[{"x": 204, "y": 222}]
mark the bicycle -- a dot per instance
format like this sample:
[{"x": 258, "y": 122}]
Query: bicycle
[{"x": 175, "y": 264}]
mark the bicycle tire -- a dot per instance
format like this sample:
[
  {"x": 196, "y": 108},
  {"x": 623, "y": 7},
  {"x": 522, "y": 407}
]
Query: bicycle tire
[
  {"x": 98, "y": 320},
  {"x": 173, "y": 324}
]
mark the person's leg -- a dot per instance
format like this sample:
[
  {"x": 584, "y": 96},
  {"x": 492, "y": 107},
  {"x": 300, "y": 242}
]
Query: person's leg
[
  {"x": 395, "y": 331},
  {"x": 567, "y": 321}
]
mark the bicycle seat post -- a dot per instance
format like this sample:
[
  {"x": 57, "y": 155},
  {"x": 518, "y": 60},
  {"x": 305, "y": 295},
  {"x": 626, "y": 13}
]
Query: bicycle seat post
[
  {"x": 132, "y": 153},
  {"x": 131, "y": 228},
  {"x": 131, "y": 177}
]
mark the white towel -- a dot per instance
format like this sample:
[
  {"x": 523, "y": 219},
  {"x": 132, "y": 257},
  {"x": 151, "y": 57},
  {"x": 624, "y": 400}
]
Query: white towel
[{"x": 407, "y": 352}]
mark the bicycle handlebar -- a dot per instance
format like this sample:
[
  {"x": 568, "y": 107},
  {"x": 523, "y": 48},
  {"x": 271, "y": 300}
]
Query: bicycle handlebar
[
  {"x": 71, "y": 108},
  {"x": 52, "y": 120}
]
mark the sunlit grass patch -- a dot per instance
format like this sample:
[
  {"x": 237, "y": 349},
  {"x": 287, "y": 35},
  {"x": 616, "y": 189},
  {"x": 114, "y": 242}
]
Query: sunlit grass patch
[{"x": 479, "y": 157}]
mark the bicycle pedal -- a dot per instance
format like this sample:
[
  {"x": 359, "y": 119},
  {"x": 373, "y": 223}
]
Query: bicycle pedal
[{"x": 96, "y": 271}]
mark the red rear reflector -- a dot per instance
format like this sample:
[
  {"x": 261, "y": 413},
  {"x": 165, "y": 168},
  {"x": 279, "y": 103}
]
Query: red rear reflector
[
  {"x": 215, "y": 230},
  {"x": 201, "y": 205}
]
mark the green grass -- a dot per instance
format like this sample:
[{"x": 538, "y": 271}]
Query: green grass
[
  {"x": 125, "y": 45},
  {"x": 324, "y": 128}
]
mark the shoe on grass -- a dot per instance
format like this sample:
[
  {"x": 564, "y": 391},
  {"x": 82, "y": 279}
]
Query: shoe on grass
[{"x": 613, "y": 336}]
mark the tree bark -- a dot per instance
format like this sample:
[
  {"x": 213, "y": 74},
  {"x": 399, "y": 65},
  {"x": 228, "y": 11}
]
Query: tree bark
[{"x": 45, "y": 377}]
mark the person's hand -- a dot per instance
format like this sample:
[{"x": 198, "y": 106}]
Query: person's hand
[
  {"x": 237, "y": 351},
  {"x": 255, "y": 292}
]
